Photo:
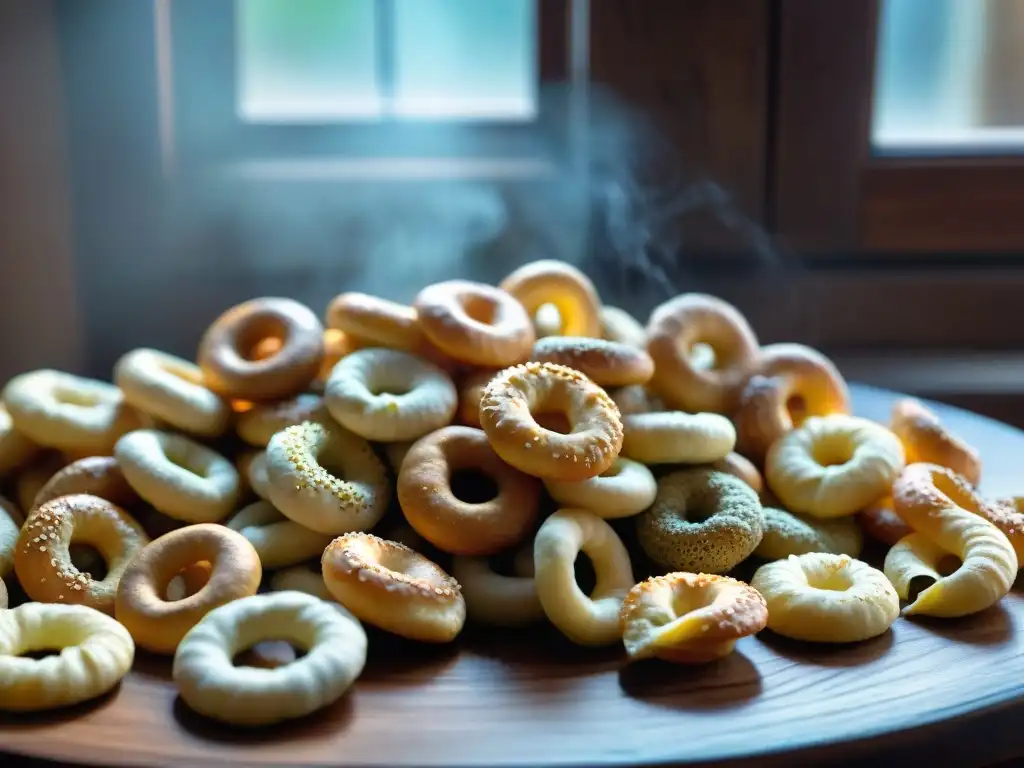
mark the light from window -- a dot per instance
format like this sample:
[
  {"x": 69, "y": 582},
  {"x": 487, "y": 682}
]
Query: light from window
[
  {"x": 949, "y": 76},
  {"x": 336, "y": 60}
]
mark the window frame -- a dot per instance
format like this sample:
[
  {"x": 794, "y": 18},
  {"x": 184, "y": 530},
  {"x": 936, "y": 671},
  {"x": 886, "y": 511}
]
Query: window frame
[{"x": 201, "y": 130}]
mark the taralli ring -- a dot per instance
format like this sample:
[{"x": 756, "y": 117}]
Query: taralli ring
[
  {"x": 791, "y": 382},
  {"x": 261, "y": 422},
  {"x": 826, "y": 598},
  {"x": 618, "y": 325},
  {"x": 326, "y": 478},
  {"x": 97, "y": 476},
  {"x": 471, "y": 390},
  {"x": 95, "y": 652},
  {"x": 674, "y": 437},
  {"x": 880, "y": 521},
  {"x": 226, "y": 351},
  {"x": 387, "y": 395},
  {"x": 944, "y": 508},
  {"x": 158, "y": 624},
  {"x": 728, "y": 523},
  {"x": 548, "y": 281},
  {"x": 43, "y": 562},
  {"x": 16, "y": 450},
  {"x": 637, "y": 399},
  {"x": 508, "y": 415},
  {"x": 689, "y": 618},
  {"x": 606, "y": 363},
  {"x": 67, "y": 412},
  {"x": 833, "y": 466},
  {"x": 675, "y": 328},
  {"x": 393, "y": 587},
  {"x": 378, "y": 321},
  {"x": 585, "y": 619},
  {"x": 626, "y": 488},
  {"x": 278, "y": 541},
  {"x": 786, "y": 534},
  {"x": 172, "y": 390},
  {"x": 301, "y": 578},
  {"x": 10, "y": 529},
  {"x": 494, "y": 599},
  {"x": 333, "y": 642},
  {"x": 178, "y": 476},
  {"x": 926, "y": 440},
  {"x": 740, "y": 467},
  {"x": 475, "y": 323},
  {"x": 465, "y": 526}
]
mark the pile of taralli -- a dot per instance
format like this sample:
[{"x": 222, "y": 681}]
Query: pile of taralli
[{"x": 449, "y": 461}]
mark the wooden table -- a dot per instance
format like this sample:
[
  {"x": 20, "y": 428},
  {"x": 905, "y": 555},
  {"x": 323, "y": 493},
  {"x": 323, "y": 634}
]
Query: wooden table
[{"x": 949, "y": 691}]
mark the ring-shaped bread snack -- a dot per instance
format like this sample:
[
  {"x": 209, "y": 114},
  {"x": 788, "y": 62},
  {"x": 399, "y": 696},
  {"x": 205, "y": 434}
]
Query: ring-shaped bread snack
[
  {"x": 264, "y": 420},
  {"x": 97, "y": 475},
  {"x": 508, "y": 414},
  {"x": 386, "y": 584},
  {"x": 471, "y": 390},
  {"x": 226, "y": 351},
  {"x": 16, "y": 450},
  {"x": 33, "y": 478},
  {"x": 180, "y": 477},
  {"x": 674, "y": 437},
  {"x": 326, "y": 478},
  {"x": 673, "y": 330},
  {"x": 727, "y": 522},
  {"x": 833, "y": 466},
  {"x": 301, "y": 578},
  {"x": 3, "y": 594},
  {"x": 689, "y": 618},
  {"x": 380, "y": 322},
  {"x": 387, "y": 395},
  {"x": 585, "y": 619},
  {"x": 926, "y": 440},
  {"x": 606, "y": 363},
  {"x": 457, "y": 525},
  {"x": 741, "y": 467},
  {"x": 549, "y": 281},
  {"x": 157, "y": 624},
  {"x": 826, "y": 598},
  {"x": 787, "y": 534},
  {"x": 278, "y": 541},
  {"x": 475, "y": 323},
  {"x": 95, "y": 652},
  {"x": 10, "y": 529},
  {"x": 944, "y": 508},
  {"x": 43, "y": 562},
  {"x": 618, "y": 325},
  {"x": 171, "y": 389},
  {"x": 204, "y": 672},
  {"x": 67, "y": 412},
  {"x": 625, "y": 489},
  {"x": 253, "y": 467},
  {"x": 790, "y": 383},
  {"x": 495, "y": 599},
  {"x": 637, "y": 399},
  {"x": 879, "y": 520}
]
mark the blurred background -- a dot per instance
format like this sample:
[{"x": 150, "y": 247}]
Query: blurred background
[{"x": 848, "y": 174}]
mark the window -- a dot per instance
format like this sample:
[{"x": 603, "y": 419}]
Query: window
[{"x": 357, "y": 84}]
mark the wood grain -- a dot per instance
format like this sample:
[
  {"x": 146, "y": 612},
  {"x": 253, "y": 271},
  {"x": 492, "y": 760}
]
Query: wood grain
[{"x": 531, "y": 698}]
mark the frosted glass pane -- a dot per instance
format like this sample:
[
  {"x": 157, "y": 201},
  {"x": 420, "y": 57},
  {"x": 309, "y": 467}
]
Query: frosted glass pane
[
  {"x": 950, "y": 75},
  {"x": 465, "y": 59},
  {"x": 306, "y": 60}
]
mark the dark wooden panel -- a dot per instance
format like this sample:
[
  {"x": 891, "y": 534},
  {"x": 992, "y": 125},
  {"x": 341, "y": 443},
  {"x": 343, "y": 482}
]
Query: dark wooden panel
[
  {"x": 824, "y": 80},
  {"x": 930, "y": 206},
  {"x": 38, "y": 303},
  {"x": 698, "y": 69}
]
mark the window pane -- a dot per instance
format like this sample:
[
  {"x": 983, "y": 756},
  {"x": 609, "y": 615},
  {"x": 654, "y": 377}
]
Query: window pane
[
  {"x": 465, "y": 59},
  {"x": 950, "y": 76},
  {"x": 306, "y": 60}
]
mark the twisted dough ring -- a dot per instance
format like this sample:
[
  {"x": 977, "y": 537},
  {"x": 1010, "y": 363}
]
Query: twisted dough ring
[
  {"x": 786, "y": 373},
  {"x": 943, "y": 507},
  {"x": 689, "y": 618}
]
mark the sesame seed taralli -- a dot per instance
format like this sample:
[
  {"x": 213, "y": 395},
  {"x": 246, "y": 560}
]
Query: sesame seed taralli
[
  {"x": 455, "y": 525},
  {"x": 226, "y": 351},
  {"x": 606, "y": 363},
  {"x": 475, "y": 323},
  {"x": 549, "y": 281},
  {"x": 43, "y": 562},
  {"x": 326, "y": 478},
  {"x": 386, "y": 584},
  {"x": 508, "y": 411},
  {"x": 675, "y": 327}
]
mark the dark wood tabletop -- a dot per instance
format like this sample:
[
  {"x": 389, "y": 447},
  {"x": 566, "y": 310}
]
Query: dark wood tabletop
[{"x": 942, "y": 690}]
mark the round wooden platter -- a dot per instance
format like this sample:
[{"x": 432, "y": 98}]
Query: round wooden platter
[{"x": 529, "y": 697}]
